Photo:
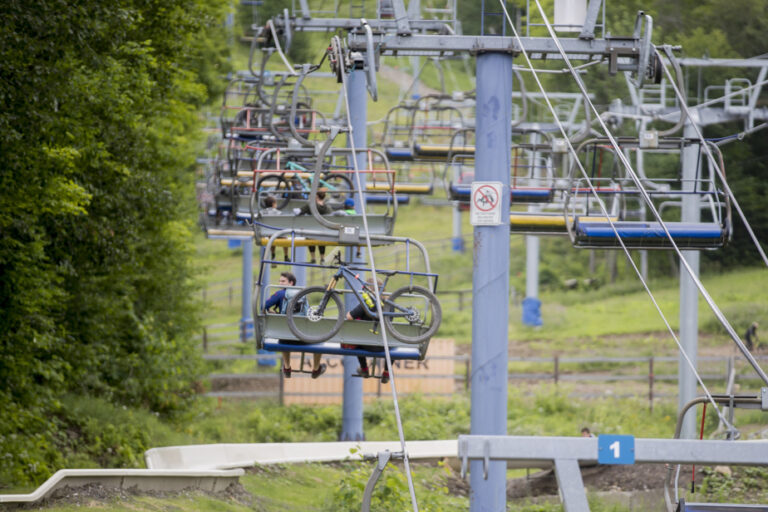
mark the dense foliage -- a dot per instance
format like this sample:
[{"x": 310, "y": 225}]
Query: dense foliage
[{"x": 98, "y": 126}]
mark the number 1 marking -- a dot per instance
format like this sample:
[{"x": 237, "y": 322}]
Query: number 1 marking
[{"x": 616, "y": 448}]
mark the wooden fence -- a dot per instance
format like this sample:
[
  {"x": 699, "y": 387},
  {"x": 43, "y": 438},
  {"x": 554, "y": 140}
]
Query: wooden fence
[{"x": 444, "y": 374}]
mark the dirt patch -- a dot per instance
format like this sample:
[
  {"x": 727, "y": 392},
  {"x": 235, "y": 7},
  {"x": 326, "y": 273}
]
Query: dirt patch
[
  {"x": 265, "y": 384},
  {"x": 91, "y": 495},
  {"x": 640, "y": 477}
]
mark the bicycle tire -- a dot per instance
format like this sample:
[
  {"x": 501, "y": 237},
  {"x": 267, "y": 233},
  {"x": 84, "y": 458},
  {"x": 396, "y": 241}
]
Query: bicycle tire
[
  {"x": 342, "y": 188},
  {"x": 431, "y": 321},
  {"x": 275, "y": 185},
  {"x": 320, "y": 297}
]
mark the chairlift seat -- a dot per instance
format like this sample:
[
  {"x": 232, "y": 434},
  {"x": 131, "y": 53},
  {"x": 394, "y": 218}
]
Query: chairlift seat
[
  {"x": 545, "y": 224},
  {"x": 336, "y": 349},
  {"x": 401, "y": 188},
  {"x": 649, "y": 235},
  {"x": 682, "y": 506},
  {"x": 401, "y": 199},
  {"x": 441, "y": 150},
  {"x": 378, "y": 224},
  {"x": 353, "y": 332},
  {"x": 462, "y": 192},
  {"x": 399, "y": 154}
]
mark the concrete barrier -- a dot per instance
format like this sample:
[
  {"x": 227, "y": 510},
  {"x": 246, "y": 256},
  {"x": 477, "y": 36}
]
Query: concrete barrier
[
  {"x": 226, "y": 456},
  {"x": 139, "y": 479}
]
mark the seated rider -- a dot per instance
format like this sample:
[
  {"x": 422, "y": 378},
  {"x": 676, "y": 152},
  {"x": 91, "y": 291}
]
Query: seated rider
[
  {"x": 278, "y": 302},
  {"x": 270, "y": 202},
  {"x": 359, "y": 312},
  {"x": 322, "y": 209}
]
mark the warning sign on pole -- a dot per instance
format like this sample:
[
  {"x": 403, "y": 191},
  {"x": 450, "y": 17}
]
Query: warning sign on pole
[{"x": 485, "y": 207}]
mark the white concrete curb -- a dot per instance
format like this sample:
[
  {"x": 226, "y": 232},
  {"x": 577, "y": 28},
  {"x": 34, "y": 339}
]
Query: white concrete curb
[
  {"x": 225, "y": 456},
  {"x": 141, "y": 479}
]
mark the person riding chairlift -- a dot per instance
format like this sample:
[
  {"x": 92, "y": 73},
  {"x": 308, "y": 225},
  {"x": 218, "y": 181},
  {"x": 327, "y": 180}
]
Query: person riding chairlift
[
  {"x": 278, "y": 303},
  {"x": 359, "y": 313}
]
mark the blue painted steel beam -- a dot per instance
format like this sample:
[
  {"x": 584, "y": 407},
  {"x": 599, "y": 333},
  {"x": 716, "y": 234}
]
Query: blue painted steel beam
[
  {"x": 352, "y": 408},
  {"x": 490, "y": 279},
  {"x": 246, "y": 317}
]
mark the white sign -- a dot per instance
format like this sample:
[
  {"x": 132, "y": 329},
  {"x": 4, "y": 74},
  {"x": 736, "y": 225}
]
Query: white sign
[{"x": 485, "y": 204}]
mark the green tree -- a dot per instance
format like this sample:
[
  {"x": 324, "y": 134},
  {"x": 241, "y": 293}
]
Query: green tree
[{"x": 98, "y": 133}]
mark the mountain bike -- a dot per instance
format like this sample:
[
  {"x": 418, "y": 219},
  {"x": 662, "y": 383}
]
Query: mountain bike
[
  {"x": 296, "y": 185},
  {"x": 412, "y": 314}
]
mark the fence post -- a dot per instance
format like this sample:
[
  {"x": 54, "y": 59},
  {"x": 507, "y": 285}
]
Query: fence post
[
  {"x": 461, "y": 300},
  {"x": 205, "y": 299},
  {"x": 205, "y": 339},
  {"x": 230, "y": 294},
  {"x": 281, "y": 386},
  {"x": 650, "y": 383},
  {"x": 557, "y": 369},
  {"x": 468, "y": 374}
]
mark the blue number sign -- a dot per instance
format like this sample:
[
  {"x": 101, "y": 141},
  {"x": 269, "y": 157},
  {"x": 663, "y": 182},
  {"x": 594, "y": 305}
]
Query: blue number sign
[{"x": 615, "y": 449}]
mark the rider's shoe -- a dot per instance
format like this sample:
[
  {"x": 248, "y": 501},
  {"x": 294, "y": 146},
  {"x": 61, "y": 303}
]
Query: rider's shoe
[
  {"x": 320, "y": 370},
  {"x": 363, "y": 372},
  {"x": 286, "y": 372},
  {"x": 384, "y": 377}
]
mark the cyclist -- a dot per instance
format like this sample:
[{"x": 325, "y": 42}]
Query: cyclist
[
  {"x": 359, "y": 312},
  {"x": 277, "y": 302}
]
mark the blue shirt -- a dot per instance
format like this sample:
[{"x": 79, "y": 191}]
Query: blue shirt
[{"x": 275, "y": 301}]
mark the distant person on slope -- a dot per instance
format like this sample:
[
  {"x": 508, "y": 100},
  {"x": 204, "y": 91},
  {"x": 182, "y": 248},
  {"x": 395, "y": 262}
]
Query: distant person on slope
[{"x": 751, "y": 336}]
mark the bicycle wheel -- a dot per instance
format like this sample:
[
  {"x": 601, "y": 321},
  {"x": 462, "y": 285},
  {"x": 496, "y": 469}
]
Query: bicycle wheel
[
  {"x": 315, "y": 314},
  {"x": 273, "y": 185},
  {"x": 339, "y": 188},
  {"x": 415, "y": 314}
]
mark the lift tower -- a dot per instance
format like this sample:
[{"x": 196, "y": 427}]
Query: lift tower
[{"x": 495, "y": 55}]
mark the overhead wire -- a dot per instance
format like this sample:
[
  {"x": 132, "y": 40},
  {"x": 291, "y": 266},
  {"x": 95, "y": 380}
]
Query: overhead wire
[
  {"x": 602, "y": 206},
  {"x": 377, "y": 291},
  {"x": 646, "y": 197}
]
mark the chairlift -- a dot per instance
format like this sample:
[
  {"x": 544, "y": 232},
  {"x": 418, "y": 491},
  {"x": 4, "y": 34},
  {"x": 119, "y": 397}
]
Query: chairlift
[
  {"x": 412, "y": 313},
  {"x": 632, "y": 227},
  {"x": 295, "y": 186}
]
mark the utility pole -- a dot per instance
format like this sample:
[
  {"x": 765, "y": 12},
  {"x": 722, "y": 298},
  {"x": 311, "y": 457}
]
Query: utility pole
[
  {"x": 352, "y": 408},
  {"x": 490, "y": 278},
  {"x": 689, "y": 293}
]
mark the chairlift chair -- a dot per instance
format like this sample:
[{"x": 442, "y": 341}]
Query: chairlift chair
[
  {"x": 666, "y": 192},
  {"x": 275, "y": 332}
]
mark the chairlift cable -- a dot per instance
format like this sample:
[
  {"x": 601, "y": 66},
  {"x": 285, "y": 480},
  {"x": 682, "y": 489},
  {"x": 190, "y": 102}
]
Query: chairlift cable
[
  {"x": 646, "y": 197},
  {"x": 379, "y": 312},
  {"x": 610, "y": 221}
]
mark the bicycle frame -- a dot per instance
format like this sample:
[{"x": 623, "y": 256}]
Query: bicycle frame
[
  {"x": 306, "y": 184},
  {"x": 358, "y": 287}
]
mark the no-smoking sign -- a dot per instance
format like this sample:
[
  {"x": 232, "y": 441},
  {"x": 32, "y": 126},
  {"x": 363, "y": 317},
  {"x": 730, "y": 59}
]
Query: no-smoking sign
[{"x": 485, "y": 207}]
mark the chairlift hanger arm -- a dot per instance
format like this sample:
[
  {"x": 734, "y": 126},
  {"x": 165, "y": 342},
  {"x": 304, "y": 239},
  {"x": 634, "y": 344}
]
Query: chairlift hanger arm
[
  {"x": 378, "y": 25},
  {"x": 538, "y": 47},
  {"x": 588, "y": 31}
]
